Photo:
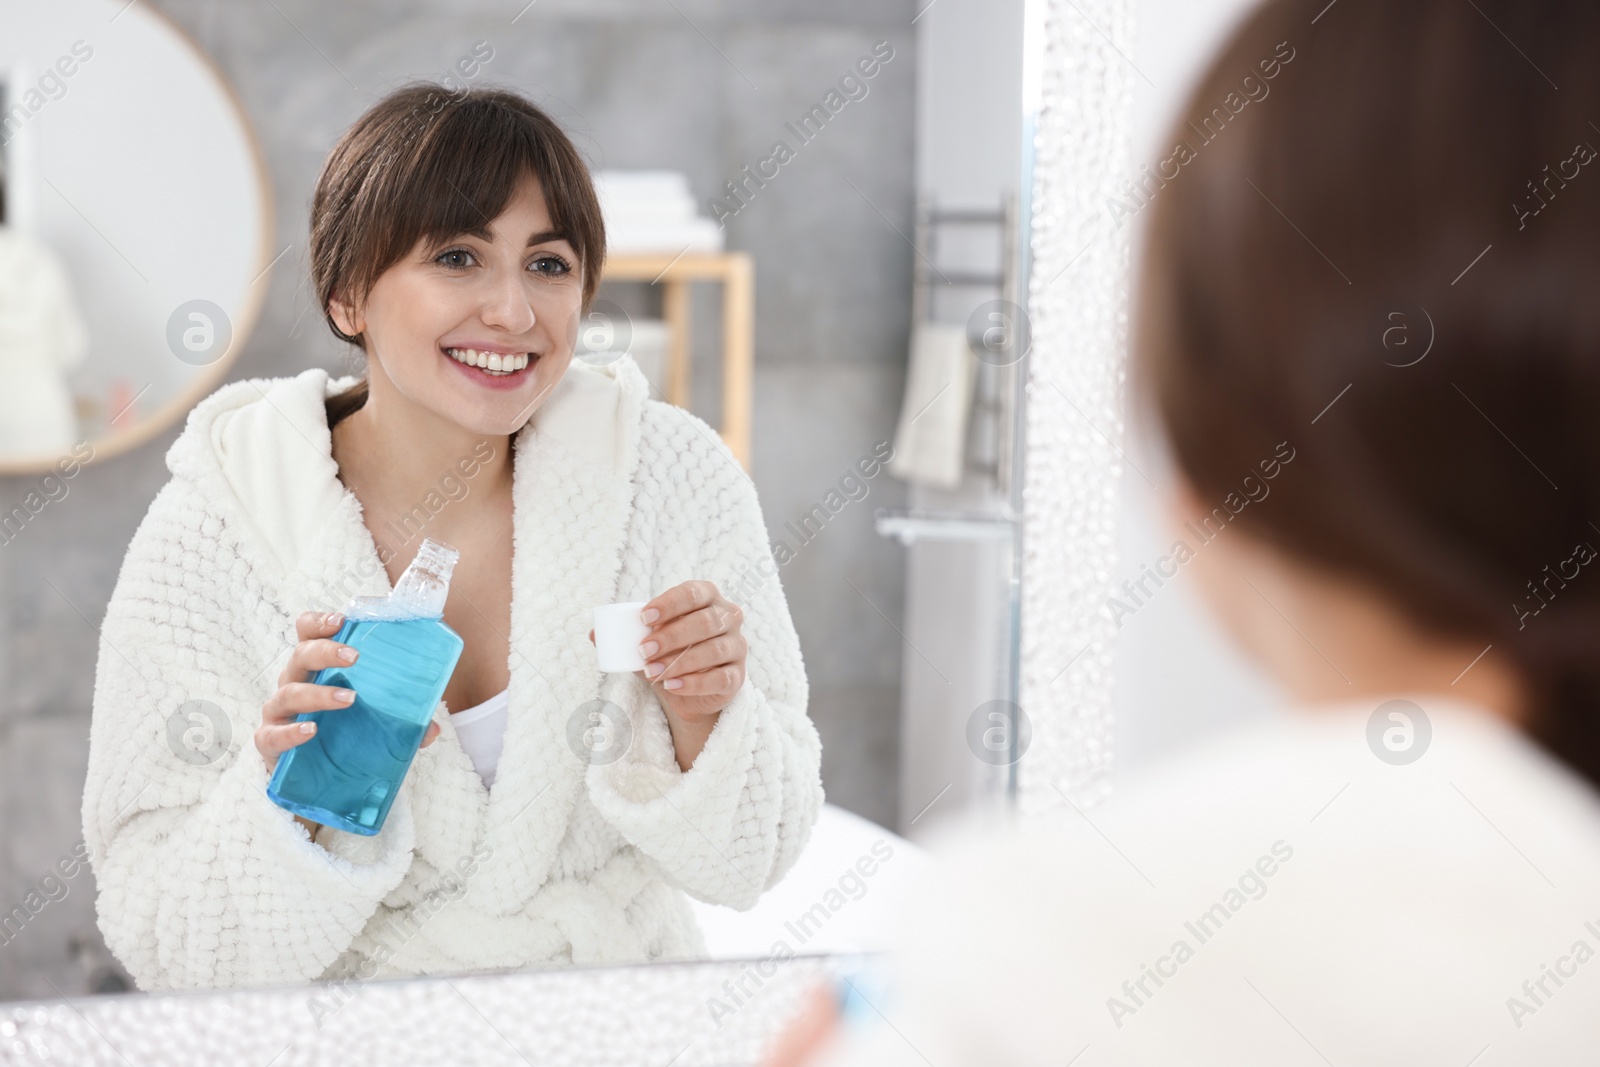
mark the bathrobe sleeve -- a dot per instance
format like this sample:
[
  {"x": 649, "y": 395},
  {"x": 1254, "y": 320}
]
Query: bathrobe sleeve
[
  {"x": 203, "y": 881},
  {"x": 732, "y": 825}
]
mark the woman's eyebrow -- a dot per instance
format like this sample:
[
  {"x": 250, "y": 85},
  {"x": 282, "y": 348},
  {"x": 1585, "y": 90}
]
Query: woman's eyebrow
[
  {"x": 483, "y": 234},
  {"x": 548, "y": 235}
]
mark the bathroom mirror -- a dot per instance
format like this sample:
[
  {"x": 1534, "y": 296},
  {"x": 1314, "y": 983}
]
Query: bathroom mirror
[
  {"x": 135, "y": 220},
  {"x": 879, "y": 238}
]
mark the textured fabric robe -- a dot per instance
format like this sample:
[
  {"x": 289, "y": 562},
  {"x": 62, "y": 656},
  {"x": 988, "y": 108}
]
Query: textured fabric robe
[{"x": 573, "y": 856}]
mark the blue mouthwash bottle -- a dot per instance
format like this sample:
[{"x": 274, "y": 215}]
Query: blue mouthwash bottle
[{"x": 347, "y": 775}]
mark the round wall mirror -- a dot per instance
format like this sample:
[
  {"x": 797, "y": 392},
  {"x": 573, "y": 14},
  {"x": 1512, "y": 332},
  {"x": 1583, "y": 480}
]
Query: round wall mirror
[{"x": 135, "y": 229}]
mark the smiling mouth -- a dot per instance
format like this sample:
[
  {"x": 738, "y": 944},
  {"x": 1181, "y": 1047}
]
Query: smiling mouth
[{"x": 491, "y": 362}]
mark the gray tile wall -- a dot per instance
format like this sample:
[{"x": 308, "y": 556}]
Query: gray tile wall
[{"x": 703, "y": 86}]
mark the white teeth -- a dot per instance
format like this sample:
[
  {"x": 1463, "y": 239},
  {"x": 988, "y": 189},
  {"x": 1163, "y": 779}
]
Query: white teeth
[{"x": 492, "y": 362}]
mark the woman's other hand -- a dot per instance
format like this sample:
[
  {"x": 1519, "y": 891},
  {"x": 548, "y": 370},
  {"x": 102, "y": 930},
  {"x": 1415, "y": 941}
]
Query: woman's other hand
[
  {"x": 694, "y": 652},
  {"x": 809, "y": 1030},
  {"x": 694, "y": 658}
]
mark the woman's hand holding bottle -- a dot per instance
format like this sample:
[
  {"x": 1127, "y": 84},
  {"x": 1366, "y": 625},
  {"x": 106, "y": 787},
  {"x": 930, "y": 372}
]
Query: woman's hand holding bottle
[{"x": 296, "y": 693}]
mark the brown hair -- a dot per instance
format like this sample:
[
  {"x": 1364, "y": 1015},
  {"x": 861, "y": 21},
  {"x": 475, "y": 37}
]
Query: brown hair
[
  {"x": 426, "y": 162},
  {"x": 1406, "y": 167}
]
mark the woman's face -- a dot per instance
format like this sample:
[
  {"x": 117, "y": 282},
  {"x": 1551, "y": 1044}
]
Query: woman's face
[{"x": 508, "y": 296}]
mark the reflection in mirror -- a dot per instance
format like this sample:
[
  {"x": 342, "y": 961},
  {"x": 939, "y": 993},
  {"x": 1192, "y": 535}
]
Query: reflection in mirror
[
  {"x": 561, "y": 311},
  {"x": 129, "y": 279},
  {"x": 42, "y": 333}
]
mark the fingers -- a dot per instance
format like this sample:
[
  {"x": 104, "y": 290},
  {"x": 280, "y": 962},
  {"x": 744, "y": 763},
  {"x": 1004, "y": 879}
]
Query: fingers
[
  {"x": 317, "y": 624},
  {"x": 274, "y": 741},
  {"x": 431, "y": 733},
  {"x": 729, "y": 648},
  {"x": 723, "y": 680},
  {"x": 682, "y": 599},
  {"x": 697, "y": 626},
  {"x": 817, "y": 1021},
  {"x": 296, "y": 697},
  {"x": 313, "y": 654},
  {"x": 316, "y": 650}
]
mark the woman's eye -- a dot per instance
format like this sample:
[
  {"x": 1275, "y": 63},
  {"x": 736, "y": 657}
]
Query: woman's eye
[
  {"x": 554, "y": 263},
  {"x": 461, "y": 258},
  {"x": 455, "y": 257}
]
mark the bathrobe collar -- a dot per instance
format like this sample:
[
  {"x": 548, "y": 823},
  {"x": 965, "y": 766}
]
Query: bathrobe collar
[{"x": 262, "y": 452}]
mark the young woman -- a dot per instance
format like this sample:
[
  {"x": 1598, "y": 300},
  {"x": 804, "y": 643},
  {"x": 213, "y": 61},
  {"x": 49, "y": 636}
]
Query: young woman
[
  {"x": 1388, "y": 266},
  {"x": 457, "y": 240}
]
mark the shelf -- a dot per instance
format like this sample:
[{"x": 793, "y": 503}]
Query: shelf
[
  {"x": 676, "y": 273},
  {"x": 910, "y": 525}
]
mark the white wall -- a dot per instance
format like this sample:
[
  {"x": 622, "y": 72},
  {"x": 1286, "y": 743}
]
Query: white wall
[
  {"x": 1177, "y": 678},
  {"x": 955, "y": 656}
]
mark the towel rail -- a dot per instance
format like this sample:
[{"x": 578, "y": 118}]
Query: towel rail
[{"x": 996, "y": 391}]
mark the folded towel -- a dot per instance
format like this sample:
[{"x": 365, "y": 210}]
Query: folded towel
[
  {"x": 930, "y": 442},
  {"x": 653, "y": 211},
  {"x": 660, "y": 193},
  {"x": 626, "y": 235}
]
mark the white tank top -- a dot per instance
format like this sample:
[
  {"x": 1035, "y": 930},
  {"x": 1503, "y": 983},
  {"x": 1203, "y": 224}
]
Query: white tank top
[{"x": 481, "y": 731}]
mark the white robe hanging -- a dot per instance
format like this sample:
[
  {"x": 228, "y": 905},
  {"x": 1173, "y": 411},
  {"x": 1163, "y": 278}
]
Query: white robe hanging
[{"x": 43, "y": 339}]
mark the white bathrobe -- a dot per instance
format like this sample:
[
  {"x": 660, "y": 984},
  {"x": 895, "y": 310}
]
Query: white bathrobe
[
  {"x": 1277, "y": 897},
  {"x": 204, "y": 882}
]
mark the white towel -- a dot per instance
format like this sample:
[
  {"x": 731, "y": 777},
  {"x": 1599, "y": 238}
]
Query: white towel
[
  {"x": 653, "y": 211},
  {"x": 627, "y": 234},
  {"x": 930, "y": 442}
]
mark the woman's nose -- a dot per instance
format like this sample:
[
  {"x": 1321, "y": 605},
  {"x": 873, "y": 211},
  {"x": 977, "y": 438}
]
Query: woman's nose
[{"x": 506, "y": 306}]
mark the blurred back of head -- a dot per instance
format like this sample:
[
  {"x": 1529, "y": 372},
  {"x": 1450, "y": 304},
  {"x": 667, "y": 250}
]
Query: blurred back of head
[{"x": 1403, "y": 223}]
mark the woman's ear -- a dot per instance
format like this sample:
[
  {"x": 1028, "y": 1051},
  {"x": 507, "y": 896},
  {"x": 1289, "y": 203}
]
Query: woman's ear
[{"x": 345, "y": 318}]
